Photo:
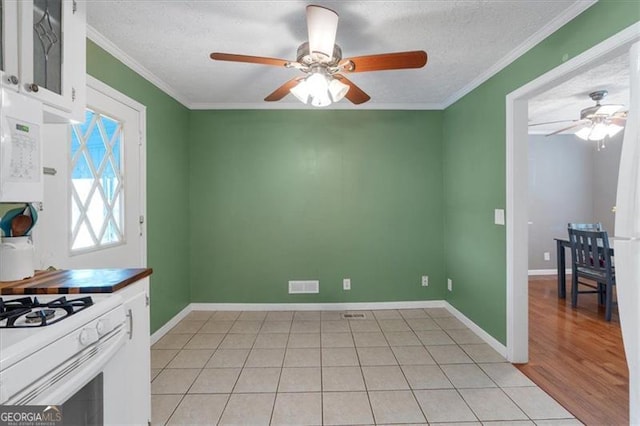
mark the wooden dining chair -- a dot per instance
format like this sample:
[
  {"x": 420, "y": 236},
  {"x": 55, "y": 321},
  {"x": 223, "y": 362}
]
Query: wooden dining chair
[
  {"x": 586, "y": 226},
  {"x": 592, "y": 260}
]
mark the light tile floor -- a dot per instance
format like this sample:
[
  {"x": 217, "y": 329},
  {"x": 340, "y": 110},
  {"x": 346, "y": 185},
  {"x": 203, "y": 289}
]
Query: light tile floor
[{"x": 419, "y": 366}]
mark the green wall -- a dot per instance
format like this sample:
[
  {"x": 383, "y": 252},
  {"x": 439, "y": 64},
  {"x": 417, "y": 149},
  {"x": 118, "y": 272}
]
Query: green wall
[
  {"x": 282, "y": 195},
  {"x": 474, "y": 165},
  {"x": 167, "y": 183},
  {"x": 240, "y": 202}
]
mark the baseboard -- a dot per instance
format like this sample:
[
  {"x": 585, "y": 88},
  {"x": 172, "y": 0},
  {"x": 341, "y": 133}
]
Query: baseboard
[
  {"x": 490, "y": 340},
  {"x": 499, "y": 347},
  {"x": 170, "y": 324},
  {"x": 554, "y": 271},
  {"x": 355, "y": 306}
]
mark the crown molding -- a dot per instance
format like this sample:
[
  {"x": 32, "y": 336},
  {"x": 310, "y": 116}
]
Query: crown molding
[
  {"x": 558, "y": 22},
  {"x": 301, "y": 106},
  {"x": 119, "y": 54}
]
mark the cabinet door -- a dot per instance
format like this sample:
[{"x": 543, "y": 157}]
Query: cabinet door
[
  {"x": 137, "y": 354},
  {"x": 9, "y": 44},
  {"x": 48, "y": 54}
]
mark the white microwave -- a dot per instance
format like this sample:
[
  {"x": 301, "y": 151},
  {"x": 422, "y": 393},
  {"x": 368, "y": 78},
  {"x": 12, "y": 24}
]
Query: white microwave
[{"x": 21, "y": 178}]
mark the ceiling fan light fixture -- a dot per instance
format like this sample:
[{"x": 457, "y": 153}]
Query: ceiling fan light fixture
[
  {"x": 584, "y": 133},
  {"x": 337, "y": 89},
  {"x": 301, "y": 91},
  {"x": 317, "y": 83},
  {"x": 598, "y": 132},
  {"x": 321, "y": 100},
  {"x": 319, "y": 89},
  {"x": 613, "y": 129}
]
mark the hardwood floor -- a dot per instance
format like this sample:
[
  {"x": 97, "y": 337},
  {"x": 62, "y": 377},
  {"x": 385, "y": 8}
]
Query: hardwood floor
[{"x": 577, "y": 356}]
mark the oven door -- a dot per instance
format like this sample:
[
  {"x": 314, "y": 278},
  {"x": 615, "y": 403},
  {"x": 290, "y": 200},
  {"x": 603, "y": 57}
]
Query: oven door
[
  {"x": 72, "y": 372},
  {"x": 102, "y": 401}
]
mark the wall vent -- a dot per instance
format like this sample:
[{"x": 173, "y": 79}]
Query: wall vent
[
  {"x": 353, "y": 316},
  {"x": 297, "y": 287}
]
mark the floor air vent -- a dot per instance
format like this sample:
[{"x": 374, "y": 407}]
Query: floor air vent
[
  {"x": 297, "y": 287},
  {"x": 353, "y": 316}
]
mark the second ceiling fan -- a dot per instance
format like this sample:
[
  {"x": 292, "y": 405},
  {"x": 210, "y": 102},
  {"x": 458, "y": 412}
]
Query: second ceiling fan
[{"x": 320, "y": 59}]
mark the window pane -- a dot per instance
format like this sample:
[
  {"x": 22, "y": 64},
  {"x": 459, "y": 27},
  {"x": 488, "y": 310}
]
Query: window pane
[
  {"x": 97, "y": 217},
  {"x": 83, "y": 239},
  {"x": 96, "y": 212}
]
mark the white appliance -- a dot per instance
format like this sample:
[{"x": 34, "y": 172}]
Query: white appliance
[
  {"x": 21, "y": 177},
  {"x": 627, "y": 238},
  {"x": 16, "y": 258},
  {"x": 72, "y": 361}
]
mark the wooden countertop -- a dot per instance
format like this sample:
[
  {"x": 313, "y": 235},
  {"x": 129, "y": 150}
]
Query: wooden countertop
[{"x": 75, "y": 281}]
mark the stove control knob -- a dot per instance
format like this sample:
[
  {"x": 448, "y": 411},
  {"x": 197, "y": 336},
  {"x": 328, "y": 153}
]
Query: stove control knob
[
  {"x": 103, "y": 326},
  {"x": 88, "y": 336}
]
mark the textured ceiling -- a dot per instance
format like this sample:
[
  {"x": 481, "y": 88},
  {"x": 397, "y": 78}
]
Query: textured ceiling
[
  {"x": 464, "y": 40},
  {"x": 565, "y": 101}
]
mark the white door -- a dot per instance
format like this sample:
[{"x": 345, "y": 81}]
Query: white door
[{"x": 93, "y": 209}]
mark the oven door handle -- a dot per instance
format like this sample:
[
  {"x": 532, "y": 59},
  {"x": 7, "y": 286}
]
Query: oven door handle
[
  {"x": 61, "y": 382},
  {"x": 130, "y": 317}
]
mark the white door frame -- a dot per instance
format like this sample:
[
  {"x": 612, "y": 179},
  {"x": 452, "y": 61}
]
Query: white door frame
[
  {"x": 106, "y": 90},
  {"x": 518, "y": 184}
]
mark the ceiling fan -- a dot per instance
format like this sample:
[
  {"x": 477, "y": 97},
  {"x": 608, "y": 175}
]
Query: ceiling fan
[
  {"x": 320, "y": 59},
  {"x": 596, "y": 122}
]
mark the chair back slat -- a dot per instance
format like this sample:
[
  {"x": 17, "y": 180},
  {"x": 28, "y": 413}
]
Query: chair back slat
[
  {"x": 586, "y": 226},
  {"x": 590, "y": 250}
]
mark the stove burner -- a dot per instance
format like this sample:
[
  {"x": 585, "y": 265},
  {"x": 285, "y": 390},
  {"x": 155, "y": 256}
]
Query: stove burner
[
  {"x": 30, "y": 312},
  {"x": 39, "y": 315}
]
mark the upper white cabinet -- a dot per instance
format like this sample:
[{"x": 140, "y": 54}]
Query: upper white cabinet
[
  {"x": 9, "y": 43},
  {"x": 44, "y": 54}
]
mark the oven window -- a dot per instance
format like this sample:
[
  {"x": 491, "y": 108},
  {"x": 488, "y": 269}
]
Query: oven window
[{"x": 85, "y": 407}]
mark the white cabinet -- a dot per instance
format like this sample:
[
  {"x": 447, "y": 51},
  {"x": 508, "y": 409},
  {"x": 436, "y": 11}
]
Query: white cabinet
[
  {"x": 9, "y": 44},
  {"x": 44, "y": 54},
  {"x": 134, "y": 359}
]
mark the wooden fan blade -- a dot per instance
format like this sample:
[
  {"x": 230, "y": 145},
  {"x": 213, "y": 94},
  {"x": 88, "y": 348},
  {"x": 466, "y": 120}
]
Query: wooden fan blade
[
  {"x": 579, "y": 123},
  {"x": 618, "y": 121},
  {"x": 550, "y": 122},
  {"x": 283, "y": 90},
  {"x": 355, "y": 94},
  {"x": 249, "y": 59},
  {"x": 386, "y": 61}
]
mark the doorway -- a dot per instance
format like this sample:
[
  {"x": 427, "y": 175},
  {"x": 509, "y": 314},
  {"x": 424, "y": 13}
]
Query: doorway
[{"x": 517, "y": 183}]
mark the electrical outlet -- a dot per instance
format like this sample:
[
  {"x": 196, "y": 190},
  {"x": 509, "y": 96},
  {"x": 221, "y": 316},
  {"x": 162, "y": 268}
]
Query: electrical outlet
[
  {"x": 425, "y": 280},
  {"x": 346, "y": 284},
  {"x": 449, "y": 284},
  {"x": 547, "y": 255}
]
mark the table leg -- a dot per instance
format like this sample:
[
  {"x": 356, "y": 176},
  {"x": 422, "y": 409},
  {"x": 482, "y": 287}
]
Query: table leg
[{"x": 562, "y": 279}]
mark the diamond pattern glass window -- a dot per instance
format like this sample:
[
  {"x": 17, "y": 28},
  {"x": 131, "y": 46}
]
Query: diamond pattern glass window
[{"x": 97, "y": 183}]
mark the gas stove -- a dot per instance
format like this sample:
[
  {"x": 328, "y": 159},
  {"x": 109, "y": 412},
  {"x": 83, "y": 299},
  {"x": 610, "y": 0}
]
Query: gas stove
[
  {"x": 31, "y": 312},
  {"x": 51, "y": 329}
]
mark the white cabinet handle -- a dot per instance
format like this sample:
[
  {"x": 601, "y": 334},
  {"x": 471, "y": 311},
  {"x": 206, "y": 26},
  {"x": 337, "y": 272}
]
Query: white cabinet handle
[{"x": 130, "y": 316}]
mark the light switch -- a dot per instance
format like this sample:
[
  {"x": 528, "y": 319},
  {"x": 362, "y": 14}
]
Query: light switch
[{"x": 498, "y": 215}]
